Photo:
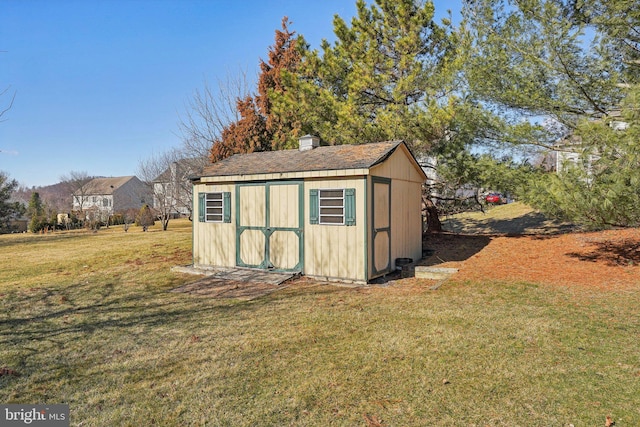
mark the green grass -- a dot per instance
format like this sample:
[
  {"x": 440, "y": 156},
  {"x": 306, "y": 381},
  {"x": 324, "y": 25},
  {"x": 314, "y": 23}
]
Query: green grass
[{"x": 87, "y": 320}]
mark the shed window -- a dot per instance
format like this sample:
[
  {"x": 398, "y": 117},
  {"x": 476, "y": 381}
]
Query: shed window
[
  {"x": 334, "y": 206},
  {"x": 214, "y": 207}
]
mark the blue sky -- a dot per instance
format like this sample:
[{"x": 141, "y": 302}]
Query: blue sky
[{"x": 101, "y": 85}]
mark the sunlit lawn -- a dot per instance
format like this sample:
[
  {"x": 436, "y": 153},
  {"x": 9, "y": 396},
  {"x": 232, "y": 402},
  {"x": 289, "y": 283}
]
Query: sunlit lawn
[{"x": 86, "y": 319}]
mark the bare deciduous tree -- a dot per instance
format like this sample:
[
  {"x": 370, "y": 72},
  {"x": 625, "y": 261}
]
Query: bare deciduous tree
[
  {"x": 167, "y": 177},
  {"x": 76, "y": 186},
  {"x": 209, "y": 111},
  {"x": 8, "y": 107}
]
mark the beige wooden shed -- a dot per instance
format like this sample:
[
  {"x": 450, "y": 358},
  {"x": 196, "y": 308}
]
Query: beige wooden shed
[{"x": 334, "y": 212}]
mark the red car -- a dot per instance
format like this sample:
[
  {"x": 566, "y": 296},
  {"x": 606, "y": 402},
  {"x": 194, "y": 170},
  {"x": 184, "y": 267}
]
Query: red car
[{"x": 495, "y": 198}]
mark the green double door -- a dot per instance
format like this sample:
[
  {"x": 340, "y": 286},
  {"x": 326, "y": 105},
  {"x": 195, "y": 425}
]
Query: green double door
[{"x": 269, "y": 225}]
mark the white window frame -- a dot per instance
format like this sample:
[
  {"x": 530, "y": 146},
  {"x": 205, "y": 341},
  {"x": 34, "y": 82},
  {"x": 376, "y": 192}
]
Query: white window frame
[
  {"x": 330, "y": 199},
  {"x": 210, "y": 214}
]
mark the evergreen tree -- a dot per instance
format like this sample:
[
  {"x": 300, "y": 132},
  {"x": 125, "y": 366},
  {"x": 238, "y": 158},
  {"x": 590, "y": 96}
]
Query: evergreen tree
[
  {"x": 603, "y": 188},
  {"x": 145, "y": 218},
  {"x": 36, "y": 212},
  {"x": 575, "y": 65},
  {"x": 8, "y": 210},
  {"x": 392, "y": 74}
]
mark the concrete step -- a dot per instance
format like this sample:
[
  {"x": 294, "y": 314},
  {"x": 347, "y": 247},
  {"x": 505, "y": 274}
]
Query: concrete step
[{"x": 434, "y": 273}]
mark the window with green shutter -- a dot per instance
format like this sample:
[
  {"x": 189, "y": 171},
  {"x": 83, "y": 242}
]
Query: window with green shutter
[
  {"x": 201, "y": 206},
  {"x": 333, "y": 206},
  {"x": 350, "y": 206},
  {"x": 313, "y": 206},
  {"x": 214, "y": 207}
]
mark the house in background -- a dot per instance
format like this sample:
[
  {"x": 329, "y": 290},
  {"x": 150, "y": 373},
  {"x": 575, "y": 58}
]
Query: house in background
[
  {"x": 172, "y": 189},
  {"x": 569, "y": 150},
  {"x": 107, "y": 196},
  {"x": 335, "y": 212}
]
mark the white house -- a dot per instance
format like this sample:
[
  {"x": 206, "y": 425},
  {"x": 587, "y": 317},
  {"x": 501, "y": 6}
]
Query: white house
[
  {"x": 568, "y": 150},
  {"x": 107, "y": 196},
  {"x": 172, "y": 189}
]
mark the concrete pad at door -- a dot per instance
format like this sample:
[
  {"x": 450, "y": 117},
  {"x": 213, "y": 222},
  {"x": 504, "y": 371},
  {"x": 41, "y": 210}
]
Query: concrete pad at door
[{"x": 434, "y": 273}]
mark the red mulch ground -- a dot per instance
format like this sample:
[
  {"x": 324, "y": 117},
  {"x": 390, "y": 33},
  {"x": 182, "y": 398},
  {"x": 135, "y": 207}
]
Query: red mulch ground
[{"x": 606, "y": 260}]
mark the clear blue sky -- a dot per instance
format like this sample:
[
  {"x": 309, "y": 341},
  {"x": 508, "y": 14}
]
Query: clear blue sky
[{"x": 101, "y": 85}]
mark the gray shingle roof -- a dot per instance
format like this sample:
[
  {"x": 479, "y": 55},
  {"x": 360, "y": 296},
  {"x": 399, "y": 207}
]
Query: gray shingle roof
[
  {"x": 103, "y": 186},
  {"x": 334, "y": 157}
]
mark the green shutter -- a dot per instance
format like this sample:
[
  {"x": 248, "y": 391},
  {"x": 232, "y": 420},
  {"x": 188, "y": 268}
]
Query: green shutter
[
  {"x": 350, "y": 206},
  {"x": 313, "y": 206},
  {"x": 226, "y": 206},
  {"x": 201, "y": 207}
]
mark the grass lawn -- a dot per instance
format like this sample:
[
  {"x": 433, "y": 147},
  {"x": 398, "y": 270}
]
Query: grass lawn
[{"x": 86, "y": 319}]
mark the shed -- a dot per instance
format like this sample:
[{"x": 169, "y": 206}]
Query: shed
[{"x": 344, "y": 212}]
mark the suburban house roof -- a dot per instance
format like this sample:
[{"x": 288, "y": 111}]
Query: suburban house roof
[
  {"x": 105, "y": 186},
  {"x": 333, "y": 157},
  {"x": 182, "y": 168}
]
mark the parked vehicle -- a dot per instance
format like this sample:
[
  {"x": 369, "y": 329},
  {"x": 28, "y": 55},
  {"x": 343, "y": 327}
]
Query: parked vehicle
[{"x": 495, "y": 198}]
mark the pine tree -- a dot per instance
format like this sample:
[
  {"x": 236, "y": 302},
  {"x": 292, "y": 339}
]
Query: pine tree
[
  {"x": 391, "y": 74},
  {"x": 36, "y": 212},
  {"x": 8, "y": 209},
  {"x": 145, "y": 218},
  {"x": 574, "y": 64}
]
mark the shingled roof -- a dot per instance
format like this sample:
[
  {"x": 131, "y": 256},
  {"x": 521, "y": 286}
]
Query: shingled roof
[
  {"x": 334, "y": 157},
  {"x": 105, "y": 186}
]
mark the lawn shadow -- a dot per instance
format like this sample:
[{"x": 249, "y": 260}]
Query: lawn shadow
[
  {"x": 439, "y": 248},
  {"x": 57, "y": 317},
  {"x": 528, "y": 223}
]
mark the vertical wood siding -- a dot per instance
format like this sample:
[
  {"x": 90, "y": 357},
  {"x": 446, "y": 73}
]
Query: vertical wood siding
[
  {"x": 252, "y": 206},
  {"x": 283, "y": 208},
  {"x": 406, "y": 205},
  {"x": 284, "y": 205},
  {"x": 336, "y": 251},
  {"x": 214, "y": 243}
]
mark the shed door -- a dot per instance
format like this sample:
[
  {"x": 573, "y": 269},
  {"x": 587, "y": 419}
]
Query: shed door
[
  {"x": 269, "y": 219},
  {"x": 381, "y": 225}
]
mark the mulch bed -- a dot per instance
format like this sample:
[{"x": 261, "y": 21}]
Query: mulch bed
[{"x": 606, "y": 259}]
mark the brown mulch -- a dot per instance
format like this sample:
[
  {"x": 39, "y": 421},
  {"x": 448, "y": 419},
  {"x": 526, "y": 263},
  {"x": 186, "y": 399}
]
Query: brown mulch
[{"x": 607, "y": 259}]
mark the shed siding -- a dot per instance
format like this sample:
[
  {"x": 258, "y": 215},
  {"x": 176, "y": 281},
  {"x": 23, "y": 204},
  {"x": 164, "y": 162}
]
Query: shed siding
[
  {"x": 336, "y": 251},
  {"x": 406, "y": 221},
  {"x": 399, "y": 166},
  {"x": 214, "y": 243},
  {"x": 284, "y": 250},
  {"x": 283, "y": 209},
  {"x": 252, "y": 206},
  {"x": 406, "y": 193}
]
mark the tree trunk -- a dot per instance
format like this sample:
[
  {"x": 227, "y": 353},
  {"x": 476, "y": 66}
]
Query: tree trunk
[{"x": 430, "y": 213}]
